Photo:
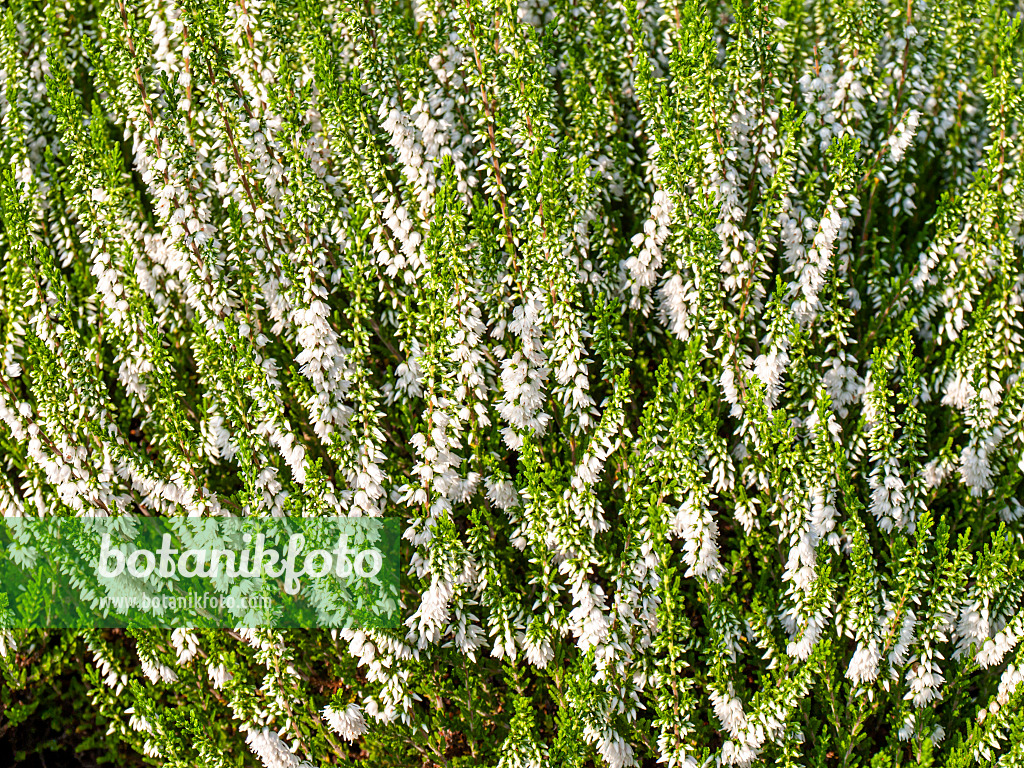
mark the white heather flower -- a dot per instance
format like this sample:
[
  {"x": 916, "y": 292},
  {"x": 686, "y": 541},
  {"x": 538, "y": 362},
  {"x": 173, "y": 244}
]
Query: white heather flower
[
  {"x": 587, "y": 618},
  {"x": 219, "y": 675},
  {"x": 908, "y": 728},
  {"x": 730, "y": 392},
  {"x": 898, "y": 655},
  {"x": 523, "y": 377},
  {"x": 924, "y": 679},
  {"x": 738, "y": 754},
  {"x": 769, "y": 369},
  {"x": 538, "y": 653},
  {"x": 643, "y": 266},
  {"x": 348, "y": 723},
  {"x": 1012, "y": 511},
  {"x": 1009, "y": 681},
  {"x": 903, "y": 136},
  {"x": 975, "y": 469},
  {"x": 729, "y": 711},
  {"x": 157, "y": 672},
  {"x": 888, "y": 500},
  {"x": 842, "y": 383},
  {"x": 677, "y": 299},
  {"x": 185, "y": 643},
  {"x": 433, "y": 614},
  {"x": 695, "y": 523},
  {"x": 138, "y": 722},
  {"x": 934, "y": 472},
  {"x": 501, "y": 493},
  {"x": 959, "y": 392},
  {"x": 614, "y": 750},
  {"x": 973, "y": 627},
  {"x": 269, "y": 748},
  {"x": 864, "y": 664}
]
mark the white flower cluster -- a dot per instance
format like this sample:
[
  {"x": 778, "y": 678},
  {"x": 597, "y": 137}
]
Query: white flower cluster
[
  {"x": 643, "y": 267},
  {"x": 269, "y": 748},
  {"x": 347, "y": 723},
  {"x": 523, "y": 376},
  {"x": 684, "y": 345}
]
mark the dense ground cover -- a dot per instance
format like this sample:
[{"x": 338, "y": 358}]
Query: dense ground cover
[{"x": 683, "y": 338}]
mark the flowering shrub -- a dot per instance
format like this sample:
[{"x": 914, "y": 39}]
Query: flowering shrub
[{"x": 685, "y": 340}]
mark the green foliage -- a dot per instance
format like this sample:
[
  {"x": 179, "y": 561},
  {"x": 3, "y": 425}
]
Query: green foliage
[{"x": 684, "y": 338}]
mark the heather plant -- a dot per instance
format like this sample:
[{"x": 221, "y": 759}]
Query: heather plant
[{"x": 683, "y": 338}]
